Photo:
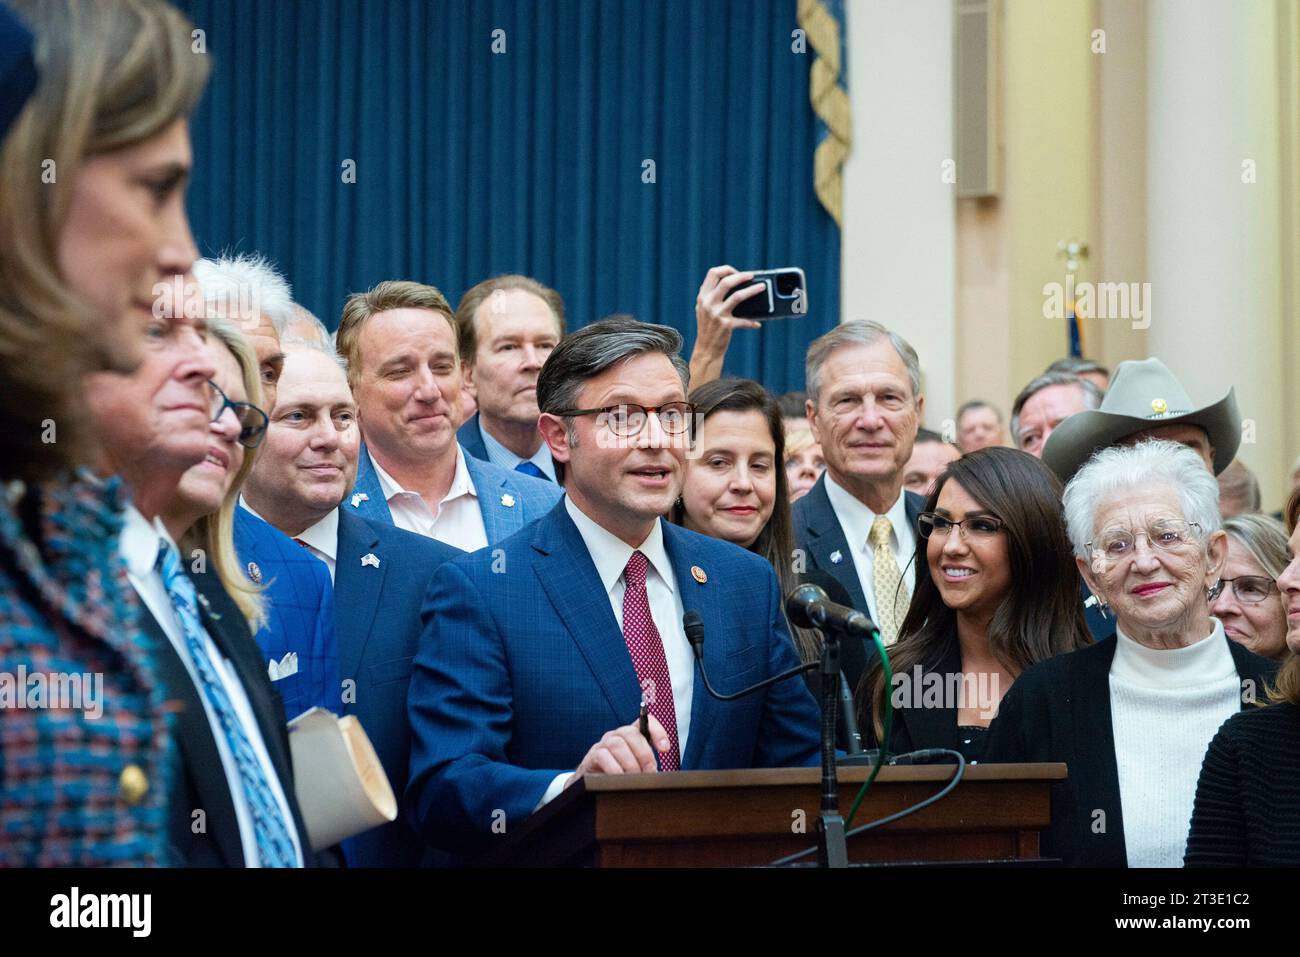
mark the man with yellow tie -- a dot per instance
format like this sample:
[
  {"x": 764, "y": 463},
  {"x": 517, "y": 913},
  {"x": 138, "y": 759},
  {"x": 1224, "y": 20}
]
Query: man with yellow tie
[{"x": 858, "y": 524}]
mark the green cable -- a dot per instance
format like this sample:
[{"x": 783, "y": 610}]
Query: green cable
[{"x": 888, "y": 695}]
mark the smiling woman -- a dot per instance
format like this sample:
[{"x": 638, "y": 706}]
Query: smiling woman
[
  {"x": 1145, "y": 527},
  {"x": 995, "y": 593}
]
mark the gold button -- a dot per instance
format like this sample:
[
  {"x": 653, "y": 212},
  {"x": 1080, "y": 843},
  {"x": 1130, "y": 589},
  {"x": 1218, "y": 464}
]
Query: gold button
[{"x": 134, "y": 784}]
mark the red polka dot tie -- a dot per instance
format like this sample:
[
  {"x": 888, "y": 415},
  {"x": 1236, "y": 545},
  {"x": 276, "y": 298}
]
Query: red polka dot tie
[{"x": 647, "y": 650}]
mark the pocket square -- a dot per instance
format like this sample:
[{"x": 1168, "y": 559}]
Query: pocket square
[{"x": 286, "y": 666}]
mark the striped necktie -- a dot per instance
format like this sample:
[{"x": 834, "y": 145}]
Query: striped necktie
[{"x": 274, "y": 844}]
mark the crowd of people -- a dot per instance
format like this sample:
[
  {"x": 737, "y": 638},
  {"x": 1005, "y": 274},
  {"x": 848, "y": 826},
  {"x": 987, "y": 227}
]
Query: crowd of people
[{"x": 479, "y": 533}]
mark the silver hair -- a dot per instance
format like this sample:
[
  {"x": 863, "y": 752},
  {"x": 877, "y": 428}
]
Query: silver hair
[
  {"x": 1091, "y": 395},
  {"x": 236, "y": 285},
  {"x": 1264, "y": 537},
  {"x": 303, "y": 314},
  {"x": 860, "y": 332},
  {"x": 298, "y": 344},
  {"x": 591, "y": 350},
  {"x": 1124, "y": 470}
]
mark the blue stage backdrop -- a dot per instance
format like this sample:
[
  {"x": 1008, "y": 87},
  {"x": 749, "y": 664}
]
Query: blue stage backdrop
[{"x": 614, "y": 150}]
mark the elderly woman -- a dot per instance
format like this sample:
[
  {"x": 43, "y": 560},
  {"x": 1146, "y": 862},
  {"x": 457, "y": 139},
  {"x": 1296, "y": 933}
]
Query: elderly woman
[
  {"x": 1132, "y": 715},
  {"x": 1249, "y": 603},
  {"x": 1247, "y": 810},
  {"x": 81, "y": 250}
]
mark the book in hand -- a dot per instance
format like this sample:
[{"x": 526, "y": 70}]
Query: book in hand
[{"x": 341, "y": 786}]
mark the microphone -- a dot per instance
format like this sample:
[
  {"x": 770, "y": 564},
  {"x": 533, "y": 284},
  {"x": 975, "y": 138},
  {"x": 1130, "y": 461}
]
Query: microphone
[
  {"x": 809, "y": 607},
  {"x": 693, "y": 625}
]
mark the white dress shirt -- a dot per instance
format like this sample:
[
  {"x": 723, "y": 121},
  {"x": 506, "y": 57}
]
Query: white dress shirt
[
  {"x": 610, "y": 555},
  {"x": 458, "y": 520},
  {"x": 856, "y": 521},
  {"x": 139, "y": 548},
  {"x": 322, "y": 538},
  {"x": 498, "y": 454}
]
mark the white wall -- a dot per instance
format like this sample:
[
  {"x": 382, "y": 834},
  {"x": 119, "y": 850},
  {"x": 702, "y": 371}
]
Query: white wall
[{"x": 898, "y": 262}]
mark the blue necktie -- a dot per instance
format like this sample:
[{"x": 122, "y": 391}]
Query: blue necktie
[
  {"x": 528, "y": 468},
  {"x": 274, "y": 845}
]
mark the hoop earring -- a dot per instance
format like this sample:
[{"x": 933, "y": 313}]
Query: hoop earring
[{"x": 1214, "y": 591}]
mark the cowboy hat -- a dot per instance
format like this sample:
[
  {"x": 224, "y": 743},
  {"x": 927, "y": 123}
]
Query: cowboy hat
[{"x": 1143, "y": 395}]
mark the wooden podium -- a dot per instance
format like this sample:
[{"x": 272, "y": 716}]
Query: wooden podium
[{"x": 746, "y": 818}]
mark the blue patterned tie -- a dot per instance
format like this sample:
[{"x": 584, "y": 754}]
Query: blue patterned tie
[
  {"x": 528, "y": 468},
  {"x": 274, "y": 845}
]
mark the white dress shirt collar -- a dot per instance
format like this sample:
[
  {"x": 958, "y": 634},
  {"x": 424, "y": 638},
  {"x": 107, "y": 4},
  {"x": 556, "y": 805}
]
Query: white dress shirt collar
[
  {"x": 140, "y": 540},
  {"x": 857, "y": 519},
  {"x": 461, "y": 483},
  {"x": 610, "y": 553},
  {"x": 324, "y": 535}
]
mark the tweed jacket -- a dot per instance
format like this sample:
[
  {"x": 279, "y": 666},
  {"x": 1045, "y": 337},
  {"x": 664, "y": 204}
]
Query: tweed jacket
[{"x": 77, "y": 788}]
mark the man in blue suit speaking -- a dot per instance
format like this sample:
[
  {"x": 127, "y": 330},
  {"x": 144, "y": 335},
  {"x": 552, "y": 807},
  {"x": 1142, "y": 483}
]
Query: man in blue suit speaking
[
  {"x": 380, "y": 573},
  {"x": 540, "y": 651}
]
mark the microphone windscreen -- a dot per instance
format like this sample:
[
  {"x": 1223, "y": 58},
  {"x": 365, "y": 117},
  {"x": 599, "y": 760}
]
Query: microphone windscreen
[
  {"x": 829, "y": 584},
  {"x": 800, "y": 602}
]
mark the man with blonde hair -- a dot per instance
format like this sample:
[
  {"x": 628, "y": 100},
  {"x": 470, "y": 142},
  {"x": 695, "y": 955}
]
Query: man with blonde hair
[{"x": 402, "y": 347}]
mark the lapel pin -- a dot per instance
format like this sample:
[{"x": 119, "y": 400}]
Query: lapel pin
[
  {"x": 370, "y": 559},
  {"x": 359, "y": 498},
  {"x": 836, "y": 557},
  {"x": 508, "y": 500},
  {"x": 698, "y": 574},
  {"x": 254, "y": 573}
]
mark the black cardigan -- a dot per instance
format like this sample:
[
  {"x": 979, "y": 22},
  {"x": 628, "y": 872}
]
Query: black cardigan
[
  {"x": 1059, "y": 710},
  {"x": 1247, "y": 809},
  {"x": 917, "y": 727}
]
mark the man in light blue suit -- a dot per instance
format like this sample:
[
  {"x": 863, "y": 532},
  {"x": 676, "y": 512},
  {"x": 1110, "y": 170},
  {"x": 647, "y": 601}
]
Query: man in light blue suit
[
  {"x": 401, "y": 343},
  {"x": 539, "y": 653},
  {"x": 380, "y": 573}
]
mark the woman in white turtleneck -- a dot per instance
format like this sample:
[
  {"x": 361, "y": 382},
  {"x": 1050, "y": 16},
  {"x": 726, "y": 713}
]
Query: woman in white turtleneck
[{"x": 1132, "y": 715}]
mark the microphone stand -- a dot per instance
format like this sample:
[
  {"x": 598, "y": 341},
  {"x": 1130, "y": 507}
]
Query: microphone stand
[{"x": 832, "y": 850}]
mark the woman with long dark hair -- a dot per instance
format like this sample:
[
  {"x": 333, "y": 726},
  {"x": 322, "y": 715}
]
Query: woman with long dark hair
[
  {"x": 996, "y": 591},
  {"x": 736, "y": 486}
]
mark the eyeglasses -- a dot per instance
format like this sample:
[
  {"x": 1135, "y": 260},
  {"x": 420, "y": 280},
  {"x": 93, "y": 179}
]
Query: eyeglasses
[
  {"x": 628, "y": 419},
  {"x": 1250, "y": 589},
  {"x": 979, "y": 527},
  {"x": 1168, "y": 535},
  {"x": 252, "y": 420}
]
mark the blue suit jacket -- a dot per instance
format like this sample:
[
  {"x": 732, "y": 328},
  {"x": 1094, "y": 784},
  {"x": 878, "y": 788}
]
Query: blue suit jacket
[
  {"x": 523, "y": 667},
  {"x": 378, "y": 625},
  {"x": 470, "y": 437},
  {"x": 300, "y": 613},
  {"x": 818, "y": 533},
  {"x": 508, "y": 500}
]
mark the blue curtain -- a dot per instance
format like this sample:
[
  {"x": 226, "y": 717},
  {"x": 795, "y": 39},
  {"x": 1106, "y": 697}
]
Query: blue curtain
[{"x": 470, "y": 162}]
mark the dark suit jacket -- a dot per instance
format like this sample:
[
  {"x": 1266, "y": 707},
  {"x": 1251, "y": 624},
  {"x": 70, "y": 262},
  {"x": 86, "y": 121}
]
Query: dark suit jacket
[
  {"x": 524, "y": 667},
  {"x": 1059, "y": 710},
  {"x": 378, "y": 626},
  {"x": 916, "y": 727},
  {"x": 818, "y": 533},
  {"x": 201, "y": 782}
]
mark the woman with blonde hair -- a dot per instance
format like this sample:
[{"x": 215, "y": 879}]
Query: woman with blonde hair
[
  {"x": 200, "y": 515},
  {"x": 1249, "y": 603},
  {"x": 92, "y": 225},
  {"x": 1247, "y": 810}
]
